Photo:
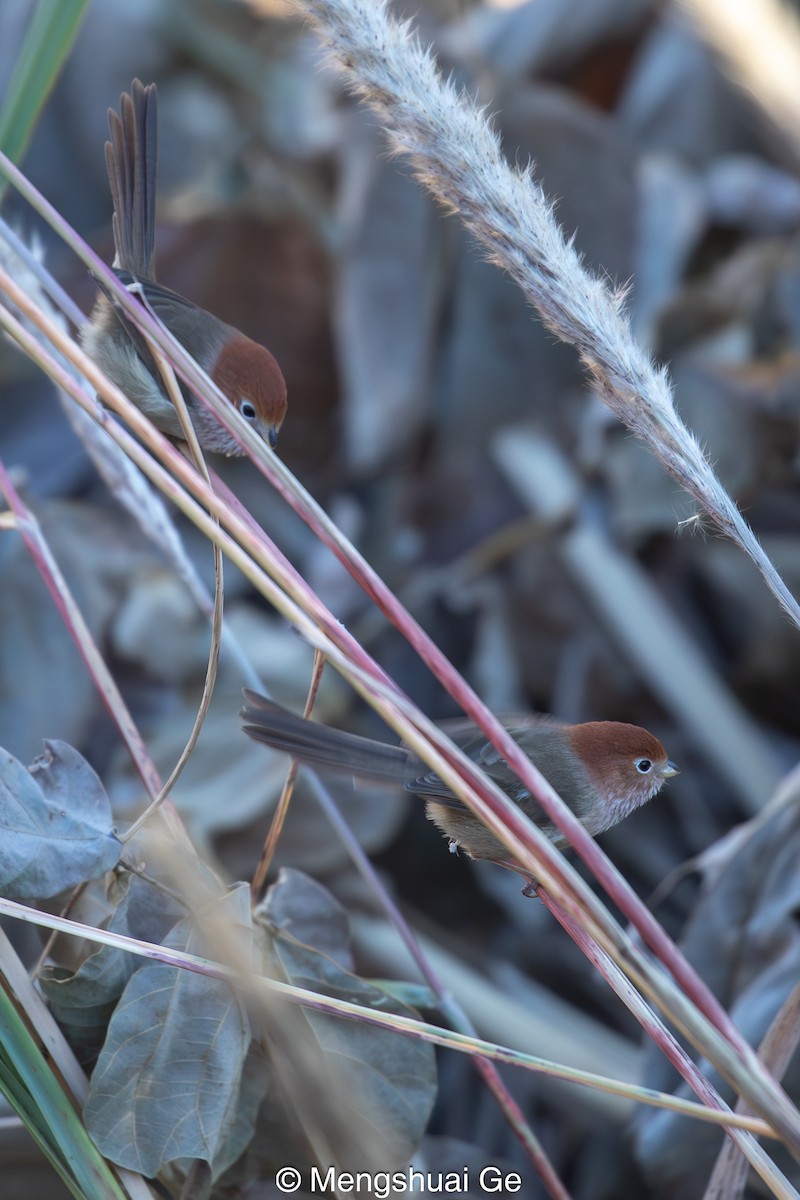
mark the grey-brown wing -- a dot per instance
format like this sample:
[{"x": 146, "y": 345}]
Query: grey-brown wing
[
  {"x": 181, "y": 316},
  {"x": 473, "y": 741}
]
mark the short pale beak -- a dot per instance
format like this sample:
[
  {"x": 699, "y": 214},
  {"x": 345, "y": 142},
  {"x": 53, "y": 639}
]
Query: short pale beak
[
  {"x": 272, "y": 436},
  {"x": 669, "y": 770}
]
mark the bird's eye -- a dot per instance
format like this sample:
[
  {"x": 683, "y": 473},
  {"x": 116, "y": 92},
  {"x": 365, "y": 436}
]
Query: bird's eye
[
  {"x": 643, "y": 766},
  {"x": 247, "y": 410}
]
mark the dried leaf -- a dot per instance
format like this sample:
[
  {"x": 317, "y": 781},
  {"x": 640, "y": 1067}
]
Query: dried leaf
[
  {"x": 718, "y": 410},
  {"x": 752, "y": 195},
  {"x": 499, "y": 364},
  {"x": 536, "y": 37},
  {"x": 56, "y": 824},
  {"x": 167, "y": 1085},
  {"x": 675, "y": 100},
  {"x": 57, "y": 694},
  {"x": 82, "y": 1001},
  {"x": 672, "y": 217},
  {"x": 390, "y": 288},
  {"x": 303, "y": 908},
  {"x": 744, "y": 940},
  {"x": 383, "y": 1082}
]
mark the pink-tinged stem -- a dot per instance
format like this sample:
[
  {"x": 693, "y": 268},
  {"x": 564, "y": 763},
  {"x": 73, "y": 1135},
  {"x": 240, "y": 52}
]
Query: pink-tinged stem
[
  {"x": 368, "y": 579},
  {"x": 497, "y": 812},
  {"x": 456, "y": 1016},
  {"x": 672, "y": 1049},
  {"x": 493, "y": 806},
  {"x": 30, "y": 532},
  {"x": 449, "y": 1006}
]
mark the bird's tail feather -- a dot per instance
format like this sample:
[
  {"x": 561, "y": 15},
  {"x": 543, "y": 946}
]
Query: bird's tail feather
[
  {"x": 131, "y": 162},
  {"x": 320, "y": 746}
]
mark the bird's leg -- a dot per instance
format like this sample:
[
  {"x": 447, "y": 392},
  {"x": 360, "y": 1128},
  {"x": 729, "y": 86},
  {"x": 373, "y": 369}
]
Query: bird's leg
[{"x": 530, "y": 883}]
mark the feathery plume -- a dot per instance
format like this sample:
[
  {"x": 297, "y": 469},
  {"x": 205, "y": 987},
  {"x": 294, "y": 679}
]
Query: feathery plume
[{"x": 457, "y": 155}]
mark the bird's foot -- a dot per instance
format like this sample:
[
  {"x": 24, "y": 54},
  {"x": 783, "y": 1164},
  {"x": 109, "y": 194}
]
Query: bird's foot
[{"x": 529, "y": 891}]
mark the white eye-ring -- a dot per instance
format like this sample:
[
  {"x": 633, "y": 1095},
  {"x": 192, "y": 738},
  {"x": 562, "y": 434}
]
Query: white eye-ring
[
  {"x": 643, "y": 765},
  {"x": 247, "y": 410}
]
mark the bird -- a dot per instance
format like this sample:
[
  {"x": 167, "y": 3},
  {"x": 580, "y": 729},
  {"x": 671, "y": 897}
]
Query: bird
[
  {"x": 245, "y": 372},
  {"x": 603, "y": 770}
]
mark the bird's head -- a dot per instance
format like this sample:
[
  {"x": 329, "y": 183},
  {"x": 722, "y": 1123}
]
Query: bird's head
[
  {"x": 251, "y": 379},
  {"x": 626, "y": 764}
]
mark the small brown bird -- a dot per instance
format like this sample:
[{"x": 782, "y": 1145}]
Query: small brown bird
[
  {"x": 603, "y": 770},
  {"x": 243, "y": 370}
]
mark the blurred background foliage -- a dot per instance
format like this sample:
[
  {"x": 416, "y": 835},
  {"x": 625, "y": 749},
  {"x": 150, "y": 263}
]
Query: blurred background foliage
[{"x": 461, "y": 449}]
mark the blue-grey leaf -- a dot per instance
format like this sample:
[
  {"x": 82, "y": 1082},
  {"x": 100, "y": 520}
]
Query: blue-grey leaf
[
  {"x": 56, "y": 827},
  {"x": 384, "y": 1081},
  {"x": 381, "y": 1084},
  {"x": 298, "y": 905},
  {"x": 83, "y": 1001},
  {"x": 168, "y": 1080}
]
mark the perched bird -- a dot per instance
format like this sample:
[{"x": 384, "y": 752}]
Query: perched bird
[
  {"x": 603, "y": 770},
  {"x": 244, "y": 371}
]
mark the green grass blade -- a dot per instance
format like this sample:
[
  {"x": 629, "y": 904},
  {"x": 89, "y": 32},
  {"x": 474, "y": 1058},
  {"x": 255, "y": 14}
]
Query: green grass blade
[
  {"x": 36, "y": 1096},
  {"x": 49, "y": 38}
]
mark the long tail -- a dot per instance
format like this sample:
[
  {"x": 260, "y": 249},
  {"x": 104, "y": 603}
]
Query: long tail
[
  {"x": 131, "y": 162},
  {"x": 319, "y": 746}
]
